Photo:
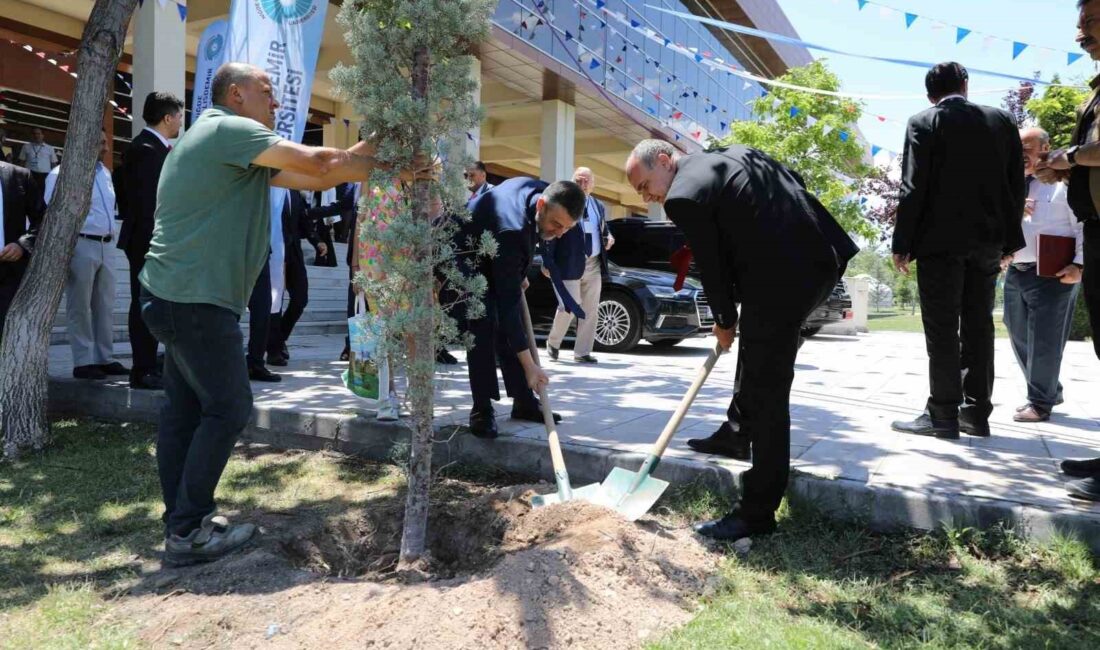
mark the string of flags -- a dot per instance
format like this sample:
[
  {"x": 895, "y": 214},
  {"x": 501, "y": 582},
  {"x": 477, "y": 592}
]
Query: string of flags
[
  {"x": 962, "y": 34},
  {"x": 181, "y": 6},
  {"x": 68, "y": 69}
]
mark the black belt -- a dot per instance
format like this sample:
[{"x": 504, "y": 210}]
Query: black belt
[
  {"x": 1024, "y": 267},
  {"x": 106, "y": 239}
]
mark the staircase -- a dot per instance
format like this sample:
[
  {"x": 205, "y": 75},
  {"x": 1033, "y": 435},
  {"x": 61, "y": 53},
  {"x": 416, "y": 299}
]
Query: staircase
[{"x": 326, "y": 312}]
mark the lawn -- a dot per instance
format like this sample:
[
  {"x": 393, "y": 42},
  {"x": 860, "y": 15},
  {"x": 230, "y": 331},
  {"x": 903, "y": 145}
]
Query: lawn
[
  {"x": 80, "y": 521},
  {"x": 902, "y": 320}
]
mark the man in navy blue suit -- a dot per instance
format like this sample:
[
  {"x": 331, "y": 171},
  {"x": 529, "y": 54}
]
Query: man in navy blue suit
[{"x": 517, "y": 213}]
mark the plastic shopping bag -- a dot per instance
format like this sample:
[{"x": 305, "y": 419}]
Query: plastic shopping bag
[{"x": 368, "y": 373}]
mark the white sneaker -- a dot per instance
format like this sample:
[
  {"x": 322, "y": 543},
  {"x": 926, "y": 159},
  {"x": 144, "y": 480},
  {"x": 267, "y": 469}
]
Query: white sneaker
[{"x": 389, "y": 410}]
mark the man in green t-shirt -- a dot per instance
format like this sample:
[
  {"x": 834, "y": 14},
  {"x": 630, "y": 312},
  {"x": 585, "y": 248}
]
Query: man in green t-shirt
[{"x": 209, "y": 244}]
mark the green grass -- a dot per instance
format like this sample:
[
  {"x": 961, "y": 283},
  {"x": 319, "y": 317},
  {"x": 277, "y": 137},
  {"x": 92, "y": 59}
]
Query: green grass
[
  {"x": 901, "y": 320},
  {"x": 822, "y": 584}
]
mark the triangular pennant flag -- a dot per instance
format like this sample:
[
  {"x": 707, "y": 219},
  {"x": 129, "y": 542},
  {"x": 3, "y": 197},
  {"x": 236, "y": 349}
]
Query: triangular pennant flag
[
  {"x": 635, "y": 24},
  {"x": 568, "y": 35},
  {"x": 748, "y": 84},
  {"x": 881, "y": 118},
  {"x": 910, "y": 19},
  {"x": 794, "y": 111},
  {"x": 862, "y": 4},
  {"x": 66, "y": 69},
  {"x": 347, "y": 122},
  {"x": 722, "y": 125},
  {"x": 826, "y": 130},
  {"x": 600, "y": 4},
  {"x": 1072, "y": 57},
  {"x": 713, "y": 108},
  {"x": 1018, "y": 48},
  {"x": 677, "y": 115},
  {"x": 960, "y": 34},
  {"x": 698, "y": 58},
  {"x": 875, "y": 149},
  {"x": 844, "y": 136},
  {"x": 811, "y": 120},
  {"x": 594, "y": 64}
]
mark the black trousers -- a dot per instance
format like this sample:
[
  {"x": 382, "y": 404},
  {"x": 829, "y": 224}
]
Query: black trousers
[
  {"x": 767, "y": 348},
  {"x": 9, "y": 284},
  {"x": 209, "y": 402},
  {"x": 490, "y": 349},
  {"x": 142, "y": 342},
  {"x": 1091, "y": 279},
  {"x": 40, "y": 180},
  {"x": 324, "y": 236},
  {"x": 259, "y": 317},
  {"x": 956, "y": 301},
  {"x": 297, "y": 287}
]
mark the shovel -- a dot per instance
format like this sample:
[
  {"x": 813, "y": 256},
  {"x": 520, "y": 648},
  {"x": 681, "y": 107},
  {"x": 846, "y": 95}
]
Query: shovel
[
  {"x": 561, "y": 476},
  {"x": 632, "y": 494}
]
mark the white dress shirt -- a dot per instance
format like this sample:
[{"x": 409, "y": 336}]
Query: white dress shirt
[
  {"x": 38, "y": 157},
  {"x": 159, "y": 136},
  {"x": 1052, "y": 216},
  {"x": 101, "y": 214},
  {"x": 590, "y": 223}
]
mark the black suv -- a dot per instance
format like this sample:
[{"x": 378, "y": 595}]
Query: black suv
[{"x": 647, "y": 244}]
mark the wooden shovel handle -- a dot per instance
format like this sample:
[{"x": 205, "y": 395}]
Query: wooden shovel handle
[
  {"x": 556, "y": 456},
  {"x": 681, "y": 410}
]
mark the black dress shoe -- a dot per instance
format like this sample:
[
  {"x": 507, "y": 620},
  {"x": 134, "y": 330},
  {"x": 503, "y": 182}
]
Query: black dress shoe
[
  {"x": 146, "y": 381},
  {"x": 89, "y": 372},
  {"x": 277, "y": 359},
  {"x": 552, "y": 351},
  {"x": 531, "y": 413},
  {"x": 733, "y": 527},
  {"x": 446, "y": 358},
  {"x": 926, "y": 426},
  {"x": 483, "y": 424},
  {"x": 114, "y": 369},
  {"x": 726, "y": 441},
  {"x": 972, "y": 426},
  {"x": 1086, "y": 488},
  {"x": 588, "y": 358},
  {"x": 1081, "y": 468},
  {"x": 261, "y": 373},
  {"x": 345, "y": 355}
]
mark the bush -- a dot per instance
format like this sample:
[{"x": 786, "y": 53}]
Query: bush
[{"x": 1080, "y": 329}]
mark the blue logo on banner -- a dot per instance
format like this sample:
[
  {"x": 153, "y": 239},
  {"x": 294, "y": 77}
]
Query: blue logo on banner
[
  {"x": 284, "y": 10},
  {"x": 214, "y": 47}
]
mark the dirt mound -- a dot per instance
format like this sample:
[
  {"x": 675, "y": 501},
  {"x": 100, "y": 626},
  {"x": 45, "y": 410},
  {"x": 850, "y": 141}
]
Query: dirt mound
[{"x": 574, "y": 576}]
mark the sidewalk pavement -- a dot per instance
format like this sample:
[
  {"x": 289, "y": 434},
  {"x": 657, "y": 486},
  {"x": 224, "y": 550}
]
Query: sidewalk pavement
[{"x": 846, "y": 458}]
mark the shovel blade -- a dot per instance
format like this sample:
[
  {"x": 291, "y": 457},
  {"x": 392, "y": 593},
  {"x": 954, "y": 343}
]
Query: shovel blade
[
  {"x": 592, "y": 493},
  {"x": 631, "y": 505}
]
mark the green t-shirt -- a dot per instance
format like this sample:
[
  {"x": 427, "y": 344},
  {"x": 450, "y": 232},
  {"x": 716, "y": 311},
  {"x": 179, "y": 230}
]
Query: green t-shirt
[{"x": 213, "y": 221}]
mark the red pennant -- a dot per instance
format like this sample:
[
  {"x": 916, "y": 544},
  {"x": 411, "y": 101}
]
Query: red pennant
[
  {"x": 677, "y": 115},
  {"x": 41, "y": 55},
  {"x": 881, "y": 118},
  {"x": 680, "y": 263},
  {"x": 64, "y": 67}
]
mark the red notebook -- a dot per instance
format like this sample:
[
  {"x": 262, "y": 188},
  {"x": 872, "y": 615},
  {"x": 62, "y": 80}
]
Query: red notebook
[{"x": 1054, "y": 253}]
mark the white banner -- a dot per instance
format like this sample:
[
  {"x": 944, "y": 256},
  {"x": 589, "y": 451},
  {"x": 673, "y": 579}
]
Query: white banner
[
  {"x": 283, "y": 38},
  {"x": 210, "y": 56}
]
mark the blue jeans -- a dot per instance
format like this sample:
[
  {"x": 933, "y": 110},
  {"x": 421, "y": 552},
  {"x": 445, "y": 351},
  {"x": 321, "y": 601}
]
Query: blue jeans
[
  {"x": 209, "y": 403},
  {"x": 1038, "y": 314}
]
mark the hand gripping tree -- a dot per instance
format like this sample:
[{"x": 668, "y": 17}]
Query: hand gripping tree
[
  {"x": 411, "y": 83},
  {"x": 23, "y": 355}
]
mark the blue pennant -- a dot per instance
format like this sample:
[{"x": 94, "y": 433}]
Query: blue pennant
[
  {"x": 1073, "y": 57},
  {"x": 862, "y": 4},
  {"x": 635, "y": 24},
  {"x": 594, "y": 64},
  {"x": 183, "y": 11},
  {"x": 794, "y": 111},
  {"x": 910, "y": 19},
  {"x": 568, "y": 35},
  {"x": 722, "y": 126},
  {"x": 600, "y": 4},
  {"x": 875, "y": 149},
  {"x": 844, "y": 136},
  {"x": 698, "y": 58},
  {"x": 1017, "y": 48},
  {"x": 960, "y": 34}
]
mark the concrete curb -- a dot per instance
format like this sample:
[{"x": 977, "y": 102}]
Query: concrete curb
[{"x": 358, "y": 433}]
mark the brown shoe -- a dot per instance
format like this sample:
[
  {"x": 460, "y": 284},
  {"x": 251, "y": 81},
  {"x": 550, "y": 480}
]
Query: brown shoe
[
  {"x": 1031, "y": 414},
  {"x": 1023, "y": 408}
]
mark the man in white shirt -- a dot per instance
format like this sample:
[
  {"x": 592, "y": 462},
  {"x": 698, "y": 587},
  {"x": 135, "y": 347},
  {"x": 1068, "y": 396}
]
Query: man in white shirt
[
  {"x": 38, "y": 157},
  {"x": 1039, "y": 310},
  {"x": 90, "y": 290}
]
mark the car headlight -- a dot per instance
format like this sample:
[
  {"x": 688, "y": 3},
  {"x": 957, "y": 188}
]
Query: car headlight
[{"x": 668, "y": 293}]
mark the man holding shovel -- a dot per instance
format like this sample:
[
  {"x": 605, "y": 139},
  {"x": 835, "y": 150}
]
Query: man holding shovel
[{"x": 754, "y": 228}]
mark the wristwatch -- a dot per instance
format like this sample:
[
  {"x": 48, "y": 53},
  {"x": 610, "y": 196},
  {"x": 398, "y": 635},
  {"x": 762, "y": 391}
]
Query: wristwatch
[{"x": 1071, "y": 155}]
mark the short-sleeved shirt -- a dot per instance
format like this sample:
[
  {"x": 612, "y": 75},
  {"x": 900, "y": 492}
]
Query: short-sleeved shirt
[
  {"x": 213, "y": 221},
  {"x": 39, "y": 158}
]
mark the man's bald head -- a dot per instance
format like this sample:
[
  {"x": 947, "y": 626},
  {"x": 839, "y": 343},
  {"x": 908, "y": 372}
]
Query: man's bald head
[
  {"x": 1036, "y": 142},
  {"x": 246, "y": 90},
  {"x": 584, "y": 177}
]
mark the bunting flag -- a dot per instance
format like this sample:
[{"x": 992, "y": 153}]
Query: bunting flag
[
  {"x": 1018, "y": 49},
  {"x": 910, "y": 19},
  {"x": 960, "y": 34},
  {"x": 52, "y": 59}
]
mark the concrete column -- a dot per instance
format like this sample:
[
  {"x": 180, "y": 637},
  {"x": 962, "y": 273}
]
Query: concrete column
[
  {"x": 559, "y": 122},
  {"x": 473, "y": 141},
  {"x": 160, "y": 55}
]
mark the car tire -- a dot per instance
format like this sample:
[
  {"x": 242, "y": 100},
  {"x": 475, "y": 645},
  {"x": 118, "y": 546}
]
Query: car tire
[
  {"x": 666, "y": 343},
  {"x": 618, "y": 323},
  {"x": 807, "y": 332}
]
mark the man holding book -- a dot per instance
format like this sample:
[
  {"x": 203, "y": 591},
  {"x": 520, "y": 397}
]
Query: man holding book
[{"x": 1041, "y": 284}]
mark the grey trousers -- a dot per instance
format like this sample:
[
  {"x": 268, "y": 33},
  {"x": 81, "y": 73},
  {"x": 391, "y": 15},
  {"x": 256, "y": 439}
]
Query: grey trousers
[
  {"x": 90, "y": 301},
  {"x": 586, "y": 292}
]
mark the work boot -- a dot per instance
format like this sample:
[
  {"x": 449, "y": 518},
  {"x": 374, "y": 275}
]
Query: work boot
[
  {"x": 1081, "y": 468},
  {"x": 733, "y": 527},
  {"x": 213, "y": 539},
  {"x": 1086, "y": 488},
  {"x": 924, "y": 425},
  {"x": 726, "y": 441}
]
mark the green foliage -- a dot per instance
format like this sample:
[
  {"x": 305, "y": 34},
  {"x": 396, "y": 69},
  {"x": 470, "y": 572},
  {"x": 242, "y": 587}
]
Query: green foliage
[
  {"x": 1056, "y": 111},
  {"x": 1080, "y": 329},
  {"x": 832, "y": 169}
]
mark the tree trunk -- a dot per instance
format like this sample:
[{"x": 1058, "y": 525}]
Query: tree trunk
[
  {"x": 25, "y": 349},
  {"x": 422, "y": 366}
]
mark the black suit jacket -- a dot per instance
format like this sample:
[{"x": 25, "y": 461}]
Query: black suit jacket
[
  {"x": 22, "y": 204},
  {"x": 962, "y": 184},
  {"x": 756, "y": 233},
  {"x": 567, "y": 254},
  {"x": 344, "y": 206},
  {"x": 136, "y": 187}
]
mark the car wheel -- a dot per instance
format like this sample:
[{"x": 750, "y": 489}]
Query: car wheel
[
  {"x": 807, "y": 332},
  {"x": 666, "y": 343},
  {"x": 618, "y": 323}
]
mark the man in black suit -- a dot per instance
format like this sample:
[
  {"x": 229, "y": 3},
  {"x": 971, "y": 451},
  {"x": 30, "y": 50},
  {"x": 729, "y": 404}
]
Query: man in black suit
[
  {"x": 22, "y": 210},
  {"x": 960, "y": 216},
  {"x": 342, "y": 209},
  {"x": 136, "y": 187},
  {"x": 517, "y": 213},
  {"x": 754, "y": 229},
  {"x": 295, "y": 227}
]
